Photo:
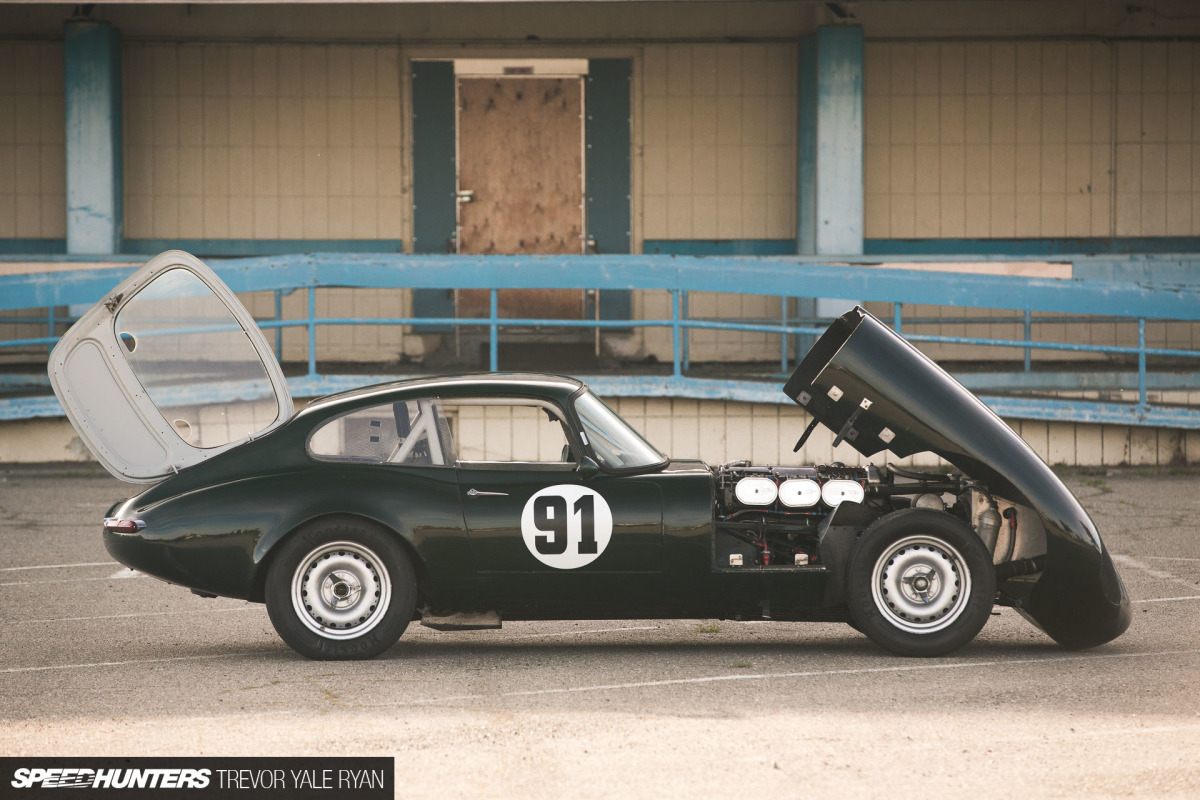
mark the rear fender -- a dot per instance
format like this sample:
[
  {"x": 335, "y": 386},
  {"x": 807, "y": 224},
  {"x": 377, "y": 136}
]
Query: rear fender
[{"x": 258, "y": 593}]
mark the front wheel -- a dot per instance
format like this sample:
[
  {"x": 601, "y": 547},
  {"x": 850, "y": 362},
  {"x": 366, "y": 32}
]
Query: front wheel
[
  {"x": 341, "y": 590},
  {"x": 921, "y": 583}
]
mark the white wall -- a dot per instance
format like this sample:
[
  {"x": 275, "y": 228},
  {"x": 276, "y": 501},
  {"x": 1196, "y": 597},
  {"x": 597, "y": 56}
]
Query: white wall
[
  {"x": 725, "y": 431},
  {"x": 1023, "y": 139},
  {"x": 33, "y": 184},
  {"x": 719, "y": 123},
  {"x": 272, "y": 141}
]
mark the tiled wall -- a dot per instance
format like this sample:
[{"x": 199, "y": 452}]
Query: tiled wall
[
  {"x": 963, "y": 139},
  {"x": 1158, "y": 139},
  {"x": 719, "y": 432},
  {"x": 37, "y": 327},
  {"x": 705, "y": 345},
  {"x": 1046, "y": 327},
  {"x": 504, "y": 433},
  {"x": 378, "y": 344},
  {"x": 718, "y": 162},
  {"x": 1023, "y": 139},
  {"x": 232, "y": 141},
  {"x": 719, "y": 131},
  {"x": 33, "y": 183}
]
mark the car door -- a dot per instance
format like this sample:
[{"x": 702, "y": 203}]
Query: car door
[
  {"x": 167, "y": 371},
  {"x": 544, "y": 537}
]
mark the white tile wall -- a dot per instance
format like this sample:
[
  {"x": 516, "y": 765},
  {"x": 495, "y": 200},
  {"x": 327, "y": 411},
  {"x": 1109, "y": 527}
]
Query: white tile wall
[
  {"x": 33, "y": 184},
  {"x": 719, "y": 156},
  {"x": 718, "y": 432},
  {"x": 707, "y": 345},
  {"x": 504, "y": 433},
  {"x": 379, "y": 344},
  {"x": 1031, "y": 139},
  {"x": 231, "y": 141}
]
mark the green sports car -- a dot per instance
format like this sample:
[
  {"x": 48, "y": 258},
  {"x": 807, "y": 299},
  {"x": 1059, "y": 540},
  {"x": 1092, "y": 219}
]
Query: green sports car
[{"x": 467, "y": 500}]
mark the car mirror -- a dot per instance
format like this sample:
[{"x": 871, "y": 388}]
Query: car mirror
[{"x": 587, "y": 467}]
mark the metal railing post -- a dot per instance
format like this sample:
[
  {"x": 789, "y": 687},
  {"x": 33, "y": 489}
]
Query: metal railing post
[
  {"x": 1028, "y": 337},
  {"x": 676, "y": 332},
  {"x": 493, "y": 331},
  {"x": 279, "y": 331},
  {"x": 685, "y": 342},
  {"x": 51, "y": 325},
  {"x": 1142, "y": 362},
  {"x": 312, "y": 331},
  {"x": 783, "y": 337}
]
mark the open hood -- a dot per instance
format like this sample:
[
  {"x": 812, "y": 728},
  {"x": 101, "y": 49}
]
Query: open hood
[{"x": 877, "y": 392}]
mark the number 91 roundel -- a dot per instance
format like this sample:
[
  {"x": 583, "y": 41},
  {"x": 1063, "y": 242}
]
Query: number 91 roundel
[{"x": 566, "y": 526}]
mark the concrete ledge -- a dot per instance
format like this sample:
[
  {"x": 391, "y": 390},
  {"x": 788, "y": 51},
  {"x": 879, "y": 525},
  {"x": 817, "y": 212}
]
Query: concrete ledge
[{"x": 724, "y": 430}]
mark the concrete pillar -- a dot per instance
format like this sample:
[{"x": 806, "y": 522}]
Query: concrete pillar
[
  {"x": 839, "y": 206},
  {"x": 806, "y": 152},
  {"x": 829, "y": 156},
  {"x": 830, "y": 143},
  {"x": 92, "y": 70}
]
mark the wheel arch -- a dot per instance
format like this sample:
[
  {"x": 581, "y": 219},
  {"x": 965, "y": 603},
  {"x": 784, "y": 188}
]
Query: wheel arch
[
  {"x": 942, "y": 532},
  {"x": 273, "y": 548}
]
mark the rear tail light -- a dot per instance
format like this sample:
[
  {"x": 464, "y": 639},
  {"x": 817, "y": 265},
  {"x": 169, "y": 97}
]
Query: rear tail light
[{"x": 118, "y": 525}]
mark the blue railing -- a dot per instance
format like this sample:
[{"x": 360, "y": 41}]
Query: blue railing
[{"x": 784, "y": 277}]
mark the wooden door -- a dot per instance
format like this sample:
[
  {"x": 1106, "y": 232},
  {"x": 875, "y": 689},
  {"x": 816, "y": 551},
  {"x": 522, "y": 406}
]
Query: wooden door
[{"x": 520, "y": 158}]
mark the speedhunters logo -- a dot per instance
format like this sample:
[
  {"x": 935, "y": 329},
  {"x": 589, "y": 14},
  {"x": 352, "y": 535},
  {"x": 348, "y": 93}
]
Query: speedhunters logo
[
  {"x": 68, "y": 778},
  {"x": 200, "y": 778}
]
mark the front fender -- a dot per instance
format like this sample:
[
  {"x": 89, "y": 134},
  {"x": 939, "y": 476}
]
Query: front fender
[{"x": 878, "y": 392}]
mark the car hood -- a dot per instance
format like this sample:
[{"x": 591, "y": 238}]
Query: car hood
[{"x": 877, "y": 392}]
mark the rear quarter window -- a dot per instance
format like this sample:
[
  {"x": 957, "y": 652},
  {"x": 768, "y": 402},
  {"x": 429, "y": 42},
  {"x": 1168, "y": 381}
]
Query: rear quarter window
[{"x": 403, "y": 432}]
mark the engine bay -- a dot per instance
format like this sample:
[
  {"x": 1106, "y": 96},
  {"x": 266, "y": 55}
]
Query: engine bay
[{"x": 775, "y": 517}]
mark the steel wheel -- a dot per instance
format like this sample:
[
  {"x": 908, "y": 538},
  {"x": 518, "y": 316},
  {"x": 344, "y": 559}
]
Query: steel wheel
[
  {"x": 921, "y": 584},
  {"x": 341, "y": 590}
]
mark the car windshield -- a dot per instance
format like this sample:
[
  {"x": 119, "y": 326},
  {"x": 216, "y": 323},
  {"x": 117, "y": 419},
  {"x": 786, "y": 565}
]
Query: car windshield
[{"x": 614, "y": 443}]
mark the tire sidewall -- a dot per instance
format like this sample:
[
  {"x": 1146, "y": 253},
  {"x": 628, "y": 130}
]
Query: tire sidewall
[
  {"x": 883, "y": 534},
  {"x": 309, "y": 643}
]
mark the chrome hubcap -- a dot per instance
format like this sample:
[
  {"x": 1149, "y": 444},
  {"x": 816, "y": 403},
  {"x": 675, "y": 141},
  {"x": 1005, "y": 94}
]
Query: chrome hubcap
[
  {"x": 341, "y": 590},
  {"x": 921, "y": 584}
]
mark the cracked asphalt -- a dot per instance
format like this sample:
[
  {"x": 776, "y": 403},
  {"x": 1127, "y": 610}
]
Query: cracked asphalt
[{"x": 96, "y": 660}]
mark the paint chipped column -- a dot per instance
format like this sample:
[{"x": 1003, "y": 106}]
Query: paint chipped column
[
  {"x": 839, "y": 141},
  {"x": 92, "y": 69},
  {"x": 829, "y": 179}
]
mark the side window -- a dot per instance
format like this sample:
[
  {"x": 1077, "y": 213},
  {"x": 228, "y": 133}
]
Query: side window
[
  {"x": 412, "y": 432},
  {"x": 507, "y": 431}
]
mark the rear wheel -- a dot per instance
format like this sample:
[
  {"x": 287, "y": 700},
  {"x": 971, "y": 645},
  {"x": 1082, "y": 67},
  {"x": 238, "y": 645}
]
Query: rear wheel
[
  {"x": 921, "y": 583},
  {"x": 341, "y": 590}
]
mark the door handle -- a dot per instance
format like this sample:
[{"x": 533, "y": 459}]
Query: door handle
[{"x": 477, "y": 493}]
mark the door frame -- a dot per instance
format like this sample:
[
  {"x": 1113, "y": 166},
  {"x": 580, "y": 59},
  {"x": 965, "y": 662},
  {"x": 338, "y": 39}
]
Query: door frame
[
  {"x": 410, "y": 53},
  {"x": 499, "y": 69}
]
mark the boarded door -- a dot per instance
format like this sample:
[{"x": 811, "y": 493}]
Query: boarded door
[{"x": 520, "y": 163}]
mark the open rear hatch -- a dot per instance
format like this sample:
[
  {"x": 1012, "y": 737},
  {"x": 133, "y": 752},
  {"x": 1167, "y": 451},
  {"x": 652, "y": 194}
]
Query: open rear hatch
[
  {"x": 877, "y": 392},
  {"x": 167, "y": 371}
]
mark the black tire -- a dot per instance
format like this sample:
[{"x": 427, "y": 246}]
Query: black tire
[
  {"x": 921, "y": 583},
  {"x": 341, "y": 590}
]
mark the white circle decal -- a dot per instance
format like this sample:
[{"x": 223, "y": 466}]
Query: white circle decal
[{"x": 566, "y": 526}]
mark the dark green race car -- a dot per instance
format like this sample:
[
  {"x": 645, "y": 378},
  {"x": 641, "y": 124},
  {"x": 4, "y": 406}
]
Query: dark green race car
[{"x": 463, "y": 501}]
